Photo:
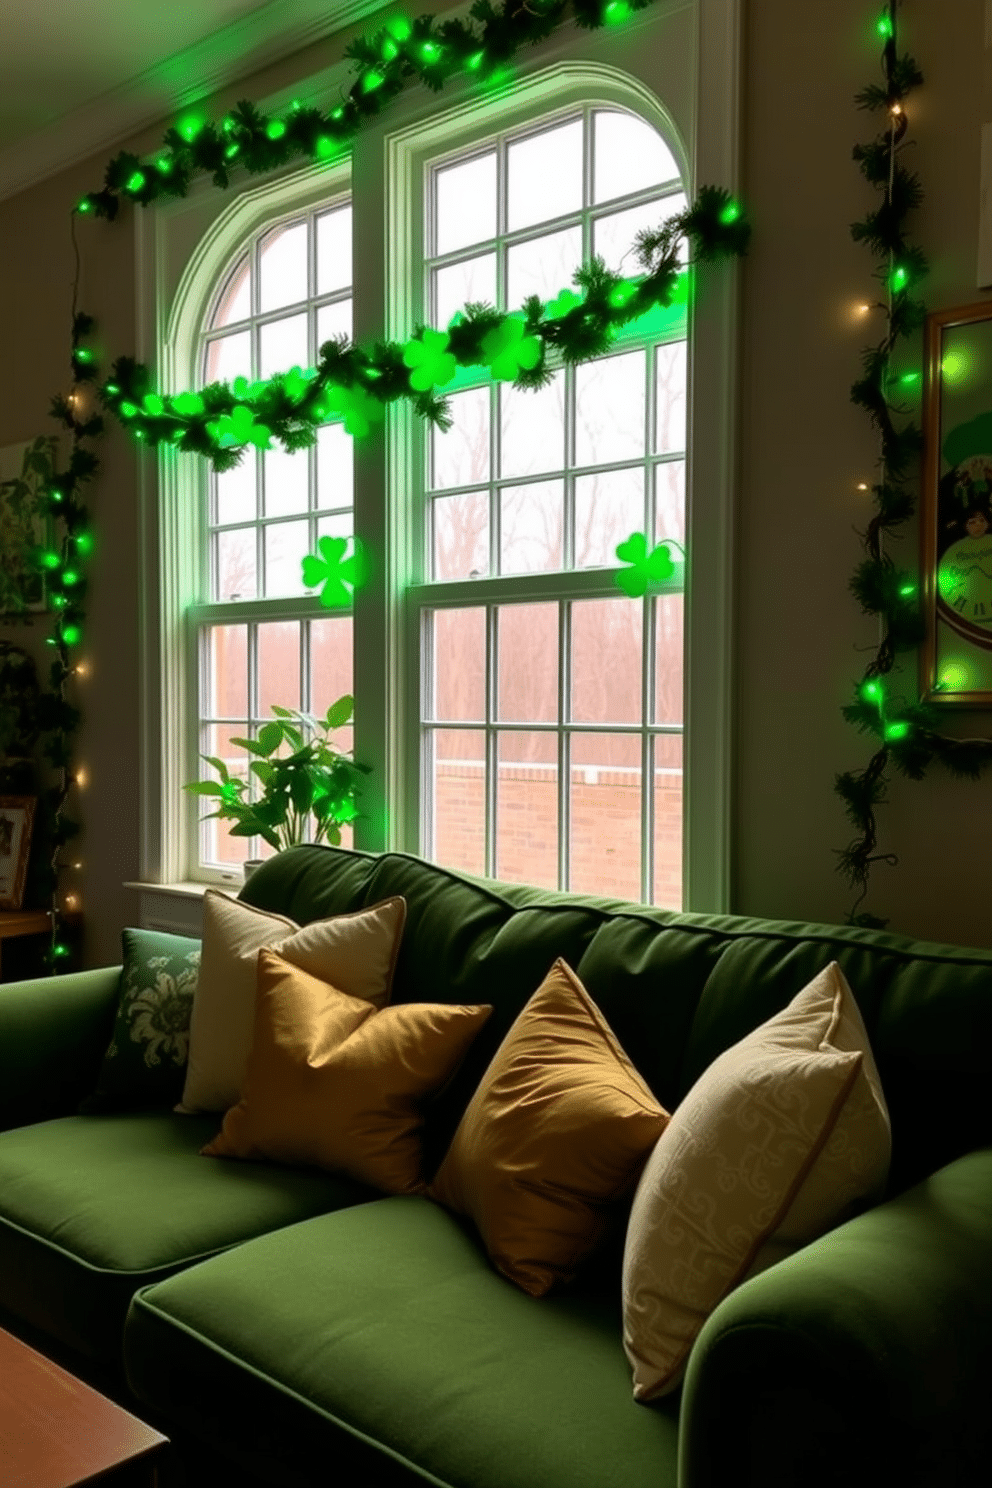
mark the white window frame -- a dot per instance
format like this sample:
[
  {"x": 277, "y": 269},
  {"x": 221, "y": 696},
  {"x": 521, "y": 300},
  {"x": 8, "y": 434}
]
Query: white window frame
[{"x": 202, "y": 234}]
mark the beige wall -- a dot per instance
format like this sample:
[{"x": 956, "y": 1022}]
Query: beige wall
[{"x": 803, "y": 448}]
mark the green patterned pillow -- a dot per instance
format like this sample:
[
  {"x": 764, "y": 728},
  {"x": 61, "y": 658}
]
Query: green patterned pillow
[{"x": 145, "y": 1063}]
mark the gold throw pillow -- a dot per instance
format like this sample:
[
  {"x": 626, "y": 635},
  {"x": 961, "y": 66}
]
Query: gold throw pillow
[
  {"x": 556, "y": 1133},
  {"x": 334, "y": 1083}
]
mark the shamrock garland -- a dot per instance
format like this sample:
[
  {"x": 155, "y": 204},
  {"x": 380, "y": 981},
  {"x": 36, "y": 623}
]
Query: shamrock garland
[
  {"x": 399, "y": 53},
  {"x": 356, "y": 384},
  {"x": 906, "y": 730}
]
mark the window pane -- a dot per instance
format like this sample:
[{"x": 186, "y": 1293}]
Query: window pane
[
  {"x": 669, "y": 485},
  {"x": 236, "y": 577},
  {"x": 543, "y": 266},
  {"x": 532, "y": 428},
  {"x": 462, "y": 284},
  {"x": 527, "y": 809},
  {"x": 283, "y": 345},
  {"x": 333, "y": 322},
  {"x": 335, "y": 466},
  {"x": 278, "y": 666},
  {"x": 606, "y": 661},
  {"x": 545, "y": 175},
  {"x": 334, "y": 250},
  {"x": 234, "y": 492},
  {"x": 287, "y": 481},
  {"x": 670, "y": 376},
  {"x": 227, "y": 672},
  {"x": 460, "y": 457},
  {"x": 531, "y": 526},
  {"x": 235, "y": 299},
  {"x": 608, "y": 508},
  {"x": 216, "y": 843},
  {"x": 629, "y": 156},
  {"x": 667, "y": 888},
  {"x": 605, "y": 846},
  {"x": 609, "y": 409},
  {"x": 286, "y": 546},
  {"x": 282, "y": 265},
  {"x": 228, "y": 357},
  {"x": 466, "y": 203},
  {"x": 613, "y": 236},
  {"x": 457, "y": 777},
  {"x": 528, "y": 663},
  {"x": 461, "y": 536},
  {"x": 341, "y": 524},
  {"x": 668, "y": 658},
  {"x": 459, "y": 666},
  {"x": 331, "y": 666}
]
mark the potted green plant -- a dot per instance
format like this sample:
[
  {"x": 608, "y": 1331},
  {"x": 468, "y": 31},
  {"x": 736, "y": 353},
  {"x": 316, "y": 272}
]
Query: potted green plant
[{"x": 314, "y": 782}]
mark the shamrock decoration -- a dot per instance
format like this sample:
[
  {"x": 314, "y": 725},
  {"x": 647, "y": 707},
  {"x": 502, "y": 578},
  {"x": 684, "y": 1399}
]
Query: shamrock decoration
[
  {"x": 339, "y": 575},
  {"x": 432, "y": 363},
  {"x": 188, "y": 405},
  {"x": 239, "y": 427},
  {"x": 296, "y": 383},
  {"x": 354, "y": 406},
  {"x": 646, "y": 568},
  {"x": 560, "y": 307},
  {"x": 507, "y": 352}
]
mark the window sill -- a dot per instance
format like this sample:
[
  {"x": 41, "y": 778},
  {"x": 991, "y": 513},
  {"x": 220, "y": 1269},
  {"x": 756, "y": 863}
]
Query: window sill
[{"x": 176, "y": 908}]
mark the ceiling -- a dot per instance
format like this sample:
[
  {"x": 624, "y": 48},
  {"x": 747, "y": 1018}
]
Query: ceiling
[{"x": 77, "y": 78}]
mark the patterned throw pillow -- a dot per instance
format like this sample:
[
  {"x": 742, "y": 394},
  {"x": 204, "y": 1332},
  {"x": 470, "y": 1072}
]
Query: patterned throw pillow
[{"x": 145, "y": 1063}]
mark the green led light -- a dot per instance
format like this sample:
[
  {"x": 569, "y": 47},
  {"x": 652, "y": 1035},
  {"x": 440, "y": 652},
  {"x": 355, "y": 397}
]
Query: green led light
[
  {"x": 896, "y": 731},
  {"x": 337, "y": 113},
  {"x": 616, "y": 13},
  {"x": 188, "y": 405},
  {"x": 136, "y": 182},
  {"x": 164, "y": 164},
  {"x": 906, "y": 590},
  {"x": 190, "y": 127},
  {"x": 909, "y": 377},
  {"x": 231, "y": 151},
  {"x": 399, "y": 27},
  {"x": 60, "y": 949},
  {"x": 127, "y": 410},
  {"x": 474, "y": 62},
  {"x": 112, "y": 388},
  {"x": 390, "y": 51},
  {"x": 275, "y": 129},
  {"x": 85, "y": 205},
  {"x": 731, "y": 213},
  {"x": 50, "y": 560},
  {"x": 295, "y": 106},
  {"x": 229, "y": 125},
  {"x": 84, "y": 543},
  {"x": 899, "y": 278},
  {"x": 884, "y": 26},
  {"x": 83, "y": 354},
  {"x": 372, "y": 80},
  {"x": 72, "y": 635},
  {"x": 70, "y": 577},
  {"x": 153, "y": 404},
  {"x": 621, "y": 294},
  {"x": 324, "y": 147},
  {"x": 59, "y": 601},
  {"x": 872, "y": 692},
  {"x": 56, "y": 496},
  {"x": 430, "y": 51}
]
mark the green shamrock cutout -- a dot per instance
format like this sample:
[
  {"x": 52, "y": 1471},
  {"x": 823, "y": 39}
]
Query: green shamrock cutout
[
  {"x": 188, "y": 405},
  {"x": 354, "y": 405},
  {"x": 432, "y": 363},
  {"x": 296, "y": 383},
  {"x": 645, "y": 568},
  {"x": 339, "y": 575},
  {"x": 559, "y": 307},
  {"x": 239, "y": 427},
  {"x": 507, "y": 352}
]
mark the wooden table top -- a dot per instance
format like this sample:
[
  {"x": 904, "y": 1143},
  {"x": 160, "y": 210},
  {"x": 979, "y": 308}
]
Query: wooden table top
[
  {"x": 23, "y": 922},
  {"x": 55, "y": 1432}
]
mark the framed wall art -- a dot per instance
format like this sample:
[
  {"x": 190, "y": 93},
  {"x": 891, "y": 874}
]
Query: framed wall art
[
  {"x": 956, "y": 510},
  {"x": 24, "y": 528},
  {"x": 16, "y": 821}
]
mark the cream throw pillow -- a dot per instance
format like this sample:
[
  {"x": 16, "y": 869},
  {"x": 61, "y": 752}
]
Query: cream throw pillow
[
  {"x": 355, "y": 952},
  {"x": 782, "y": 1137}
]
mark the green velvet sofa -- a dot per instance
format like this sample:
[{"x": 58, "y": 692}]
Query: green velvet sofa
[{"x": 315, "y": 1332}]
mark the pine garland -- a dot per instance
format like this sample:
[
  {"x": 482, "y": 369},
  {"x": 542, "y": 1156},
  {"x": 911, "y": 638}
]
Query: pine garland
[
  {"x": 398, "y": 54},
  {"x": 906, "y": 730},
  {"x": 357, "y": 384}
]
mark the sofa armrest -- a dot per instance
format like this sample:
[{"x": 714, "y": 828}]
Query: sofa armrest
[
  {"x": 53, "y": 1034},
  {"x": 863, "y": 1359}
]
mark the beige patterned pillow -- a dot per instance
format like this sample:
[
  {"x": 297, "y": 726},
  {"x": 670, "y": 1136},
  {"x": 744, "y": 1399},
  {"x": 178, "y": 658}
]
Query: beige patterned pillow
[
  {"x": 355, "y": 952},
  {"x": 782, "y": 1137}
]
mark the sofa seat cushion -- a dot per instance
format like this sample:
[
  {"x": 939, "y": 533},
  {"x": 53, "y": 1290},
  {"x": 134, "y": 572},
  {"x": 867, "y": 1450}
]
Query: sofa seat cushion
[
  {"x": 93, "y": 1207},
  {"x": 386, "y": 1327}
]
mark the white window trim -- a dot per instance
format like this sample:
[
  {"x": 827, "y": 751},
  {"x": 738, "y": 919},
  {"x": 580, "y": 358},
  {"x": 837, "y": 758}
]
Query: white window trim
[{"x": 197, "y": 233}]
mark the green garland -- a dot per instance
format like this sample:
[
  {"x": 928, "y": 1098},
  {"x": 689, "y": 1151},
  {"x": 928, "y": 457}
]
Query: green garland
[
  {"x": 356, "y": 384},
  {"x": 400, "y": 53},
  {"x": 905, "y": 729}
]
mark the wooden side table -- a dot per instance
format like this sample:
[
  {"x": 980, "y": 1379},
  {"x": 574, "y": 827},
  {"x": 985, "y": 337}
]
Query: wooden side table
[
  {"x": 55, "y": 1432},
  {"x": 15, "y": 922}
]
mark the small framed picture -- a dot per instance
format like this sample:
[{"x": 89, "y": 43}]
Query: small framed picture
[
  {"x": 956, "y": 525},
  {"x": 16, "y": 821},
  {"x": 25, "y": 470}
]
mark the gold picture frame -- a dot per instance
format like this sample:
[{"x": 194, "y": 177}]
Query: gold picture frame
[
  {"x": 956, "y": 510},
  {"x": 16, "y": 821}
]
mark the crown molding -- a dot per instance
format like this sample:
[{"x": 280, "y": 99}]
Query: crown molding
[{"x": 244, "y": 46}]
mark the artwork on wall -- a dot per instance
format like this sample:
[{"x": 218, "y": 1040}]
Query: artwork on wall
[
  {"x": 956, "y": 528},
  {"x": 25, "y": 470},
  {"x": 16, "y": 820}
]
